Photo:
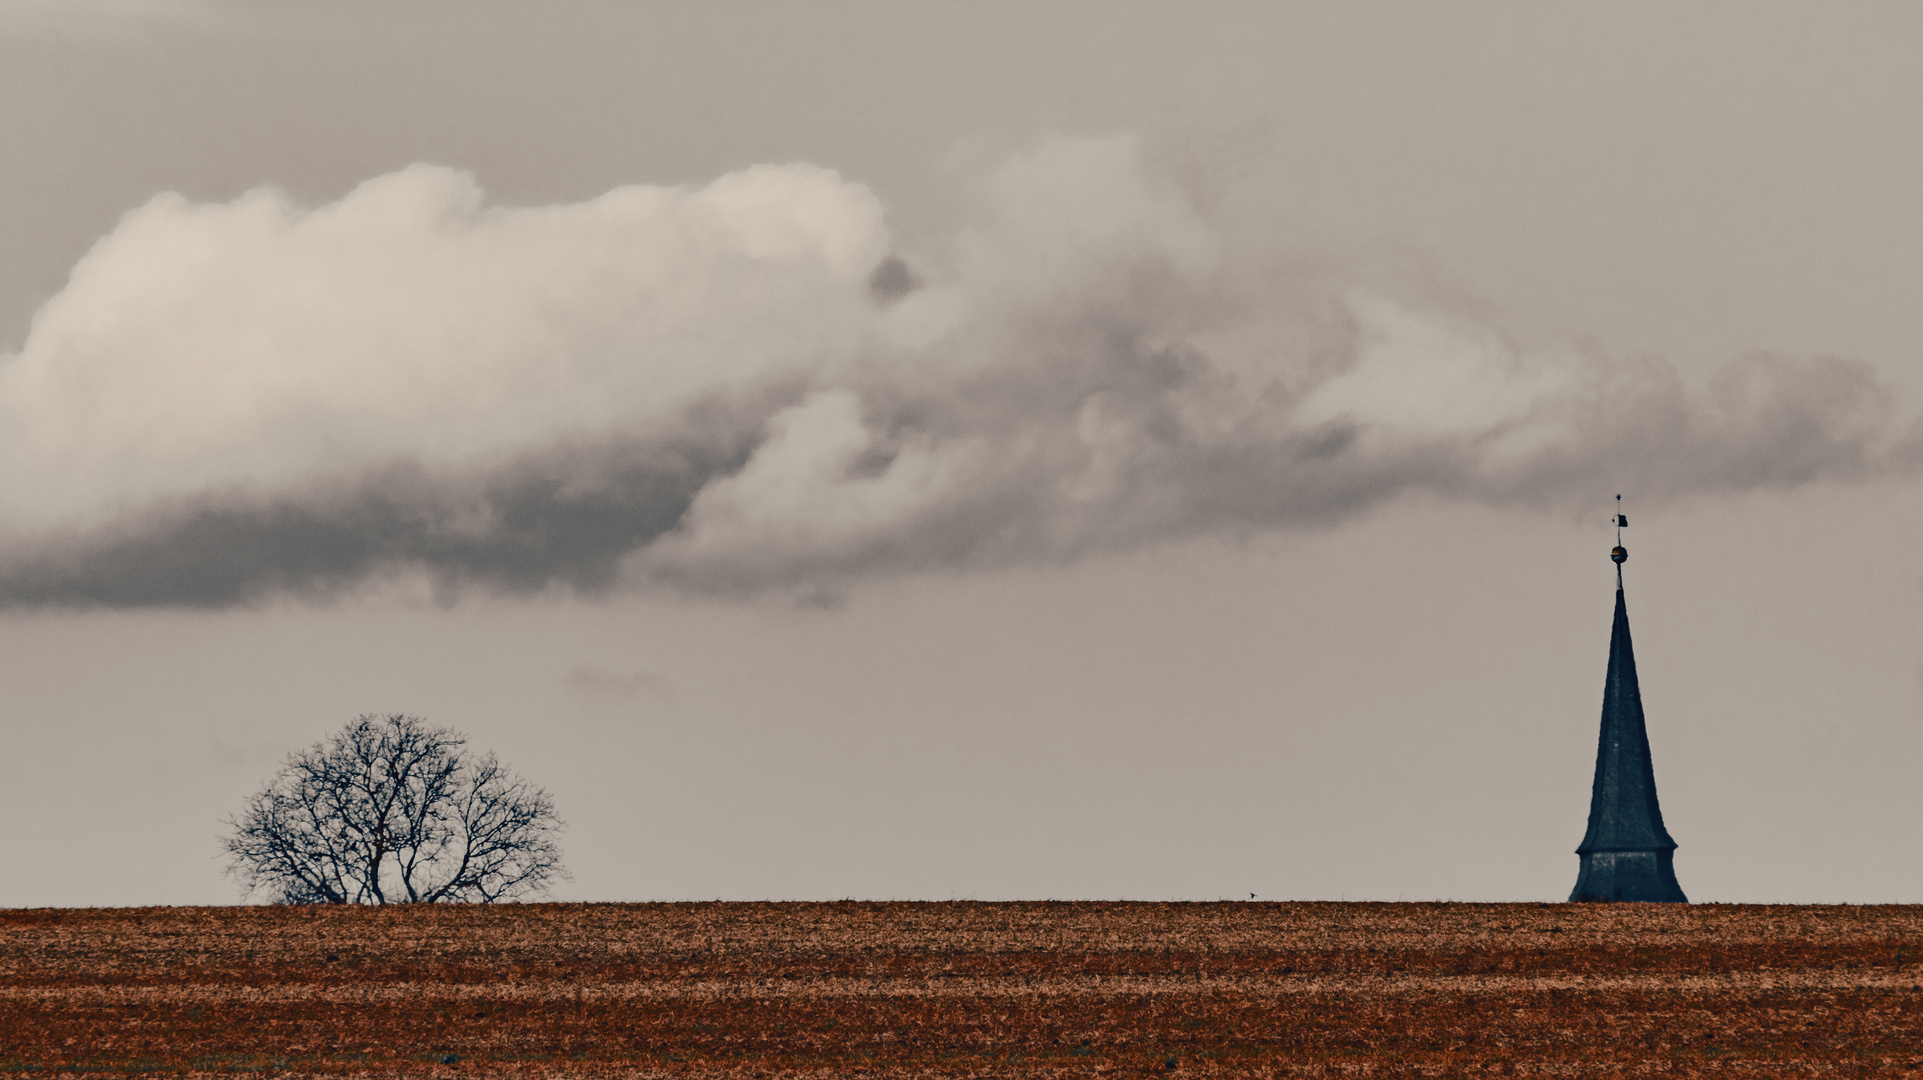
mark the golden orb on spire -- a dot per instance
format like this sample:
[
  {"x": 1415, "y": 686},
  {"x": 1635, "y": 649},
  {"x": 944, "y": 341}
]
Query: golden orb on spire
[{"x": 1618, "y": 554}]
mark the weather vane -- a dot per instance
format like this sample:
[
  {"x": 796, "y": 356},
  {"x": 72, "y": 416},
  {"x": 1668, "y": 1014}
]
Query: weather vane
[{"x": 1619, "y": 553}]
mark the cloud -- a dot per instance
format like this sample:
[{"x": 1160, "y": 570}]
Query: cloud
[
  {"x": 595, "y": 681},
  {"x": 745, "y": 387},
  {"x": 98, "y": 20}
]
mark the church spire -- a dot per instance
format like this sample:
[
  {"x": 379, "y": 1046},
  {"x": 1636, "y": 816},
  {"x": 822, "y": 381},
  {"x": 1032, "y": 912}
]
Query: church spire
[{"x": 1626, "y": 854}]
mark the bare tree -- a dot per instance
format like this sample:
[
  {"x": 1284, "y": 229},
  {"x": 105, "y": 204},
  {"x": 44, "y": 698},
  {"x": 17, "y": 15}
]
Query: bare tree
[{"x": 390, "y": 810}]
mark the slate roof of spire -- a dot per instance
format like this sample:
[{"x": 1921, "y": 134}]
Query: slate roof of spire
[{"x": 1623, "y": 814}]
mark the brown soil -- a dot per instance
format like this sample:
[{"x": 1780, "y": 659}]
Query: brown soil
[{"x": 965, "y": 989}]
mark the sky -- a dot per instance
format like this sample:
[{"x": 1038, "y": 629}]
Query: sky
[{"x": 990, "y": 450}]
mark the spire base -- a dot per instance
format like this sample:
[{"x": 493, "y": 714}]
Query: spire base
[{"x": 1635, "y": 876}]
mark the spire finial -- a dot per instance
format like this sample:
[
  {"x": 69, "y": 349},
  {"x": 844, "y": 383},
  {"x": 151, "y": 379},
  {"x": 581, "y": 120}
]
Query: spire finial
[{"x": 1619, "y": 553}]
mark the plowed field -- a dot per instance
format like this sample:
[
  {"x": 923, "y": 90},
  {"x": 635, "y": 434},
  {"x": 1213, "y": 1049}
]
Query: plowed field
[{"x": 965, "y": 989}]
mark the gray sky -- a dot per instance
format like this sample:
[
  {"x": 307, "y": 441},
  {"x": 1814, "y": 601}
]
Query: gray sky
[{"x": 1216, "y": 504}]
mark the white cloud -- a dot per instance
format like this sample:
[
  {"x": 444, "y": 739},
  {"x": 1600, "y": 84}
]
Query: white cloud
[
  {"x": 700, "y": 386},
  {"x": 256, "y": 342}
]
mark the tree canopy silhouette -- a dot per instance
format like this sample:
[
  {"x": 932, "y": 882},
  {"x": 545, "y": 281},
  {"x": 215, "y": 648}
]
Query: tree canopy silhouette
[{"x": 393, "y": 810}]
